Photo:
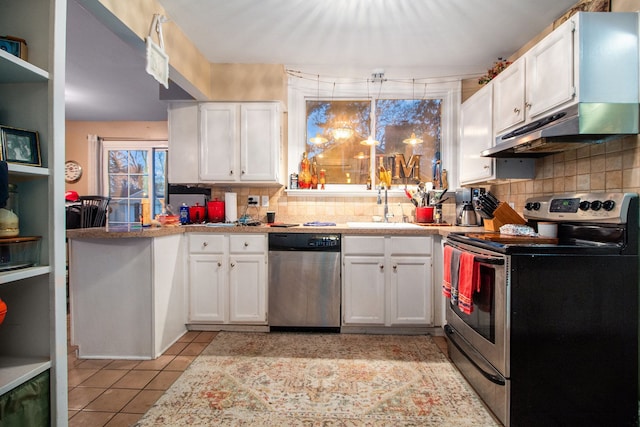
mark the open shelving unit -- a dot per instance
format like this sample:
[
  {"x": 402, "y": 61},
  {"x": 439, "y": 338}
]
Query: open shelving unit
[{"x": 33, "y": 334}]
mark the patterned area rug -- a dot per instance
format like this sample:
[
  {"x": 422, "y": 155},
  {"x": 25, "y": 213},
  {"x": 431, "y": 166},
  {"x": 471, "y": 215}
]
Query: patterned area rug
[{"x": 287, "y": 379}]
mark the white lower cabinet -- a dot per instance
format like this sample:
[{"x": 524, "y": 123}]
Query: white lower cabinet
[
  {"x": 387, "y": 281},
  {"x": 228, "y": 278}
]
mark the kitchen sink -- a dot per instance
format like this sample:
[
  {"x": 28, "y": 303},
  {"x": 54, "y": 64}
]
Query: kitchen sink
[{"x": 384, "y": 225}]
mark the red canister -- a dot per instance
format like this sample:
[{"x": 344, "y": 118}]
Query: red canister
[
  {"x": 215, "y": 211},
  {"x": 196, "y": 214}
]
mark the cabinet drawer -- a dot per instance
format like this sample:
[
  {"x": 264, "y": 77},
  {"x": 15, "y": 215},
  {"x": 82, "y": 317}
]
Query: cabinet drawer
[
  {"x": 361, "y": 245},
  {"x": 410, "y": 246},
  {"x": 248, "y": 243},
  {"x": 206, "y": 243}
]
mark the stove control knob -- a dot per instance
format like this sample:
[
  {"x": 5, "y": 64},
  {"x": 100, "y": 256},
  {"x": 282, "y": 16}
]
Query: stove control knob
[
  {"x": 532, "y": 206},
  {"x": 608, "y": 205},
  {"x": 596, "y": 205},
  {"x": 584, "y": 205}
]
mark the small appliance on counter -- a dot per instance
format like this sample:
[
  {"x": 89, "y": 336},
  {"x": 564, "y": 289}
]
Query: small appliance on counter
[
  {"x": 191, "y": 196},
  {"x": 466, "y": 201}
]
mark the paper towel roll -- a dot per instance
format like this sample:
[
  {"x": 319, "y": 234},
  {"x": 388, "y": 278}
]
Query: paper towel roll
[{"x": 230, "y": 207}]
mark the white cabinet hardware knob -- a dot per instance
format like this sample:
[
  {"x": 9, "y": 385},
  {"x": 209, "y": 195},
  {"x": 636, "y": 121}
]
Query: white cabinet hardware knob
[
  {"x": 233, "y": 264},
  {"x": 381, "y": 267},
  {"x": 205, "y": 244},
  {"x": 516, "y": 110},
  {"x": 219, "y": 264},
  {"x": 395, "y": 267},
  {"x": 246, "y": 244}
]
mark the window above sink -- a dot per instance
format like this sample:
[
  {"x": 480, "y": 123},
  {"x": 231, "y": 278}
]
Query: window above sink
[{"x": 322, "y": 108}]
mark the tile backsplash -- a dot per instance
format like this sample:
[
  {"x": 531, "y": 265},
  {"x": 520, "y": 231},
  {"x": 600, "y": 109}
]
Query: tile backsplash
[{"x": 609, "y": 166}]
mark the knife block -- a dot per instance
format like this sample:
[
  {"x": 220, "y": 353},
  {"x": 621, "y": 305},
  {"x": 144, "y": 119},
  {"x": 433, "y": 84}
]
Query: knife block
[{"x": 504, "y": 214}]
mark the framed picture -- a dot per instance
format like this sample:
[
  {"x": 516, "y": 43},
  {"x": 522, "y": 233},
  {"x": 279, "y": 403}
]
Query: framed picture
[{"x": 20, "y": 146}]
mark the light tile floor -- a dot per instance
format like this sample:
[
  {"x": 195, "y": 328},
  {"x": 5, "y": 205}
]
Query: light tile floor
[{"x": 115, "y": 393}]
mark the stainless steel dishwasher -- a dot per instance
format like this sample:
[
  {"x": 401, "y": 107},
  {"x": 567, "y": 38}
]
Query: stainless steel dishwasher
[{"x": 304, "y": 281}]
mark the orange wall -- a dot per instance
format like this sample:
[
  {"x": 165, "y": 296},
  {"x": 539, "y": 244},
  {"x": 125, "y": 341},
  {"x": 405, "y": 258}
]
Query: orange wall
[{"x": 76, "y": 140}]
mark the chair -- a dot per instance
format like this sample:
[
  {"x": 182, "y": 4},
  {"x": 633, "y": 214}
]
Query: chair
[{"x": 93, "y": 211}]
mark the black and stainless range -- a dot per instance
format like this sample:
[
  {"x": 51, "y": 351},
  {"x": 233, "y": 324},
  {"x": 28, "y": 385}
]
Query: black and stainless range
[{"x": 553, "y": 335}]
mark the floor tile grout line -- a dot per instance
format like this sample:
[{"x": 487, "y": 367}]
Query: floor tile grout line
[{"x": 192, "y": 338}]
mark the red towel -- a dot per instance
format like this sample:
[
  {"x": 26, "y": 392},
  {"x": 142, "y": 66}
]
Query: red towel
[
  {"x": 468, "y": 281},
  {"x": 446, "y": 272}
]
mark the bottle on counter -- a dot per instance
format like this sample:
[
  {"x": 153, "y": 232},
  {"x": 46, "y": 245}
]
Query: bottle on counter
[
  {"x": 145, "y": 213},
  {"x": 304, "y": 179},
  {"x": 314, "y": 174},
  {"x": 184, "y": 214}
]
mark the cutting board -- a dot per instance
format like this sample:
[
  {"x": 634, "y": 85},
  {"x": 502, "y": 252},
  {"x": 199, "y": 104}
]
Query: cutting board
[
  {"x": 283, "y": 225},
  {"x": 513, "y": 240}
]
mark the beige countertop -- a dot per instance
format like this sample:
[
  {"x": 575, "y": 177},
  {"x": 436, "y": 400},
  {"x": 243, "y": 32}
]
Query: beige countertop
[{"x": 149, "y": 232}]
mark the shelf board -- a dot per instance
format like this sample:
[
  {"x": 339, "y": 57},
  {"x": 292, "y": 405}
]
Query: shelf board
[
  {"x": 17, "y": 370},
  {"x": 24, "y": 273},
  {"x": 26, "y": 171},
  {"x": 16, "y": 70}
]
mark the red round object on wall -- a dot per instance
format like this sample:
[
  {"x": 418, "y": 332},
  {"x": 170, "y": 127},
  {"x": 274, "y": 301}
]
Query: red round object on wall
[{"x": 3, "y": 311}]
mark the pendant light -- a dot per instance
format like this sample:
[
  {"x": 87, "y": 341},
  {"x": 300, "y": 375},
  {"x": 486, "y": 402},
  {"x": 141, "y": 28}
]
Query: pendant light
[
  {"x": 318, "y": 139},
  {"x": 413, "y": 139},
  {"x": 370, "y": 140}
]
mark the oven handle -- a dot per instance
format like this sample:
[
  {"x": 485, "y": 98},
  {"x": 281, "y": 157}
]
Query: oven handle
[
  {"x": 492, "y": 261},
  {"x": 491, "y": 377},
  {"x": 484, "y": 260}
]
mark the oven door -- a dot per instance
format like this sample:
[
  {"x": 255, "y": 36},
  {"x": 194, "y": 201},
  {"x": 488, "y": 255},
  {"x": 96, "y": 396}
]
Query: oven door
[{"x": 485, "y": 330}]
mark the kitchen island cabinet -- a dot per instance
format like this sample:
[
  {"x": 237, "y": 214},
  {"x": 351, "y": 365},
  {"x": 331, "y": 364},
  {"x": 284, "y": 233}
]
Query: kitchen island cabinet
[
  {"x": 387, "y": 281},
  {"x": 126, "y": 295}
]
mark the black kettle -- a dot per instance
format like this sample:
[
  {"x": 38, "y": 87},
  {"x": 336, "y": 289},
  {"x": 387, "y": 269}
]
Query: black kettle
[{"x": 468, "y": 215}]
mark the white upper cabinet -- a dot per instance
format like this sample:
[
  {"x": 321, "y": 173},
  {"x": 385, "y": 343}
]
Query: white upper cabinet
[
  {"x": 240, "y": 142},
  {"x": 476, "y": 134},
  {"x": 591, "y": 58},
  {"x": 550, "y": 72},
  {"x": 509, "y": 91},
  {"x": 183, "y": 143}
]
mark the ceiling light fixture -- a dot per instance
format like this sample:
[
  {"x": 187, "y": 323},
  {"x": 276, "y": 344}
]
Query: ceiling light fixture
[
  {"x": 343, "y": 130},
  {"x": 413, "y": 140}
]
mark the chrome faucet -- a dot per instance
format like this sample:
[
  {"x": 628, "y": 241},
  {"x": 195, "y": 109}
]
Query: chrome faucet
[{"x": 387, "y": 215}]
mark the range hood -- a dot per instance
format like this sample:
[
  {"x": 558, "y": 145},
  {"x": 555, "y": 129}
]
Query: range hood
[{"x": 578, "y": 125}]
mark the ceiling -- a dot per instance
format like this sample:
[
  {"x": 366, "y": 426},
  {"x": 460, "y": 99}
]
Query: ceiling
[{"x": 408, "y": 39}]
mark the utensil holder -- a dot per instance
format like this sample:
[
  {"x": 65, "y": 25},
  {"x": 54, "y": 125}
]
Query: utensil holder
[{"x": 504, "y": 214}]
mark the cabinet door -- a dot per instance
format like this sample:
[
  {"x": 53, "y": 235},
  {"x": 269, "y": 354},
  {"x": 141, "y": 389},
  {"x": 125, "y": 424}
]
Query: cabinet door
[
  {"x": 509, "y": 97},
  {"x": 259, "y": 141},
  {"x": 247, "y": 289},
  {"x": 183, "y": 143},
  {"x": 476, "y": 135},
  {"x": 411, "y": 288},
  {"x": 364, "y": 290},
  {"x": 550, "y": 72},
  {"x": 218, "y": 142},
  {"x": 207, "y": 283}
]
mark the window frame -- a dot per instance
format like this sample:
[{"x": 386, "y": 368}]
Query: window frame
[
  {"x": 129, "y": 144},
  {"x": 301, "y": 90}
]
